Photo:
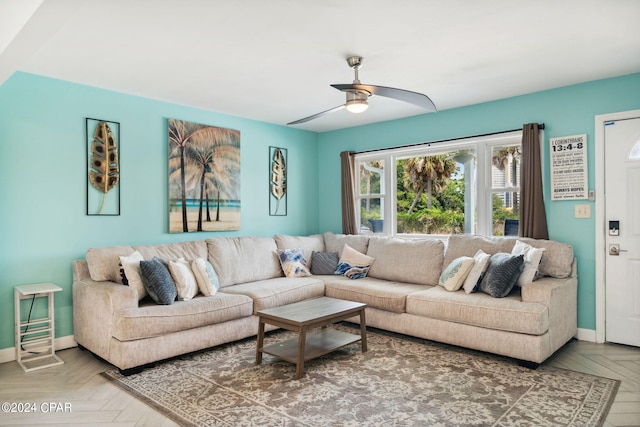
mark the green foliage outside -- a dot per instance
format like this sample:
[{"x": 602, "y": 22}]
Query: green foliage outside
[
  {"x": 446, "y": 215},
  {"x": 500, "y": 213}
]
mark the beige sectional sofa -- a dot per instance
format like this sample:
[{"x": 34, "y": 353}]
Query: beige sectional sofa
[{"x": 401, "y": 292}]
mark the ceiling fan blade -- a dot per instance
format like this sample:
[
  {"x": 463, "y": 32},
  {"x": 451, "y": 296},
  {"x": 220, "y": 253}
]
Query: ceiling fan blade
[
  {"x": 315, "y": 116},
  {"x": 415, "y": 98}
]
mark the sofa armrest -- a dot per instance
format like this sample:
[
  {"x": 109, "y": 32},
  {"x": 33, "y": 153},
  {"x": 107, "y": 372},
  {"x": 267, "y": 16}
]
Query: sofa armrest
[
  {"x": 561, "y": 298},
  {"x": 93, "y": 306}
]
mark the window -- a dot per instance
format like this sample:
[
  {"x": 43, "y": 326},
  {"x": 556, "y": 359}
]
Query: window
[
  {"x": 469, "y": 185},
  {"x": 371, "y": 194},
  {"x": 430, "y": 192},
  {"x": 505, "y": 187},
  {"x": 635, "y": 151}
]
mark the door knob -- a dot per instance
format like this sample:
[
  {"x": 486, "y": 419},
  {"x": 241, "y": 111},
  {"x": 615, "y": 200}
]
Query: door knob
[{"x": 614, "y": 249}]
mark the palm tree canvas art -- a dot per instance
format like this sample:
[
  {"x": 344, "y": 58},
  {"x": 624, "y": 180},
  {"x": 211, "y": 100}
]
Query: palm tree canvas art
[{"x": 204, "y": 177}]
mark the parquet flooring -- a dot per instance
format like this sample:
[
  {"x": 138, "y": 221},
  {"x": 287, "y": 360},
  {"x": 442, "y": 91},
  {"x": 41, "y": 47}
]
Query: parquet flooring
[{"x": 95, "y": 402}]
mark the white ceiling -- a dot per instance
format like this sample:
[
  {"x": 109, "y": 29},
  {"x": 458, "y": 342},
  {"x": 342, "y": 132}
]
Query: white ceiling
[{"x": 274, "y": 60}]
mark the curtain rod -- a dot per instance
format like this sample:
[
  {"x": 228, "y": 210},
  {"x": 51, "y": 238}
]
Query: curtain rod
[{"x": 540, "y": 126}]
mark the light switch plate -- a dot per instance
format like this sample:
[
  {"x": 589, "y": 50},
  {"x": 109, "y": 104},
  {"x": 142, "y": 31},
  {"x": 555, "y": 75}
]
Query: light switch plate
[{"x": 582, "y": 211}]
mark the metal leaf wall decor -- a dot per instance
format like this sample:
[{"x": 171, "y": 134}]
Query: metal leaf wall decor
[
  {"x": 104, "y": 168},
  {"x": 278, "y": 182}
]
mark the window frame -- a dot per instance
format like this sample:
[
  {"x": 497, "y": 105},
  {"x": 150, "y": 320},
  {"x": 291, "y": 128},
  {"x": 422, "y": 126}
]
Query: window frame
[
  {"x": 483, "y": 189},
  {"x": 382, "y": 195}
]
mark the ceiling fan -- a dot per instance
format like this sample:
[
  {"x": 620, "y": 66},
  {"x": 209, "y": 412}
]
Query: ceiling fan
[{"x": 358, "y": 94}]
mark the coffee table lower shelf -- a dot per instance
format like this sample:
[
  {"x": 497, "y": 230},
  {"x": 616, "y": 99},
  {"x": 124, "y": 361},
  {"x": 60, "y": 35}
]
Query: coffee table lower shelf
[{"x": 317, "y": 344}]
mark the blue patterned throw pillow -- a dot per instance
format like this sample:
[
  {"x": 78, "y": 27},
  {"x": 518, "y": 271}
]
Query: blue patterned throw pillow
[
  {"x": 293, "y": 262},
  {"x": 353, "y": 264},
  {"x": 158, "y": 281}
]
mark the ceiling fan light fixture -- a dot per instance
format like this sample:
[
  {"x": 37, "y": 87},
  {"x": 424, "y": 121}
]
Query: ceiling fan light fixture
[
  {"x": 358, "y": 95},
  {"x": 357, "y": 102}
]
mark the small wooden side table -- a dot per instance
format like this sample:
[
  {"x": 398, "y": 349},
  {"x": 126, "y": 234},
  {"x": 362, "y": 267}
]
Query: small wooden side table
[{"x": 35, "y": 337}]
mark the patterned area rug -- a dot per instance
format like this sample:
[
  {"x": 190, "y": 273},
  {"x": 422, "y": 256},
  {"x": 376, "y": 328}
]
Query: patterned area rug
[{"x": 400, "y": 381}]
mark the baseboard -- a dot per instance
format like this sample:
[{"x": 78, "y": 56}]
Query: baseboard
[
  {"x": 586, "y": 335},
  {"x": 9, "y": 354}
]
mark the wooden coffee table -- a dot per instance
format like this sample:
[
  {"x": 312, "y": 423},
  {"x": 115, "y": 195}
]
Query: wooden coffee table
[{"x": 303, "y": 316}]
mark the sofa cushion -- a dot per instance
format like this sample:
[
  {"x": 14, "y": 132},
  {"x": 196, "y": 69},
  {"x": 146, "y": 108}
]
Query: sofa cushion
[
  {"x": 151, "y": 320},
  {"x": 376, "y": 293},
  {"x": 103, "y": 262},
  {"x": 416, "y": 261},
  {"x": 276, "y": 292},
  {"x": 479, "y": 309},
  {"x": 293, "y": 262},
  {"x": 502, "y": 274},
  {"x": 324, "y": 262},
  {"x": 189, "y": 250},
  {"x": 557, "y": 259},
  {"x": 467, "y": 245},
  {"x": 243, "y": 259},
  {"x": 308, "y": 244},
  {"x": 336, "y": 242}
]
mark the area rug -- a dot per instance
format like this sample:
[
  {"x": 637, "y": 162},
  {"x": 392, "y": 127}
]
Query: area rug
[{"x": 400, "y": 381}]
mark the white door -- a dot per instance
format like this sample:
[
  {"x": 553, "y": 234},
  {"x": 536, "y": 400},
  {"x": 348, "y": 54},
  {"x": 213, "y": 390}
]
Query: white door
[{"x": 622, "y": 213}]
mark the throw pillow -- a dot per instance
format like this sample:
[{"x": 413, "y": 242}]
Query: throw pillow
[
  {"x": 481, "y": 263},
  {"x": 353, "y": 264},
  {"x": 454, "y": 275},
  {"x": 324, "y": 262},
  {"x": 185, "y": 280},
  {"x": 532, "y": 258},
  {"x": 158, "y": 281},
  {"x": 293, "y": 262},
  {"x": 502, "y": 274},
  {"x": 206, "y": 276},
  {"x": 130, "y": 273}
]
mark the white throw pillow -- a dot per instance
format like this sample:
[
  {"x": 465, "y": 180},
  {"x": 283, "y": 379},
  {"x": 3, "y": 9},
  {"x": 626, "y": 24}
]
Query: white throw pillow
[
  {"x": 131, "y": 267},
  {"x": 185, "y": 279},
  {"x": 456, "y": 272},
  {"x": 206, "y": 276},
  {"x": 532, "y": 257},
  {"x": 481, "y": 263}
]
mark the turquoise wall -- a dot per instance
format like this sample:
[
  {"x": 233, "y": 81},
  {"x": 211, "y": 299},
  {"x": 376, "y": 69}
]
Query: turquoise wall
[
  {"x": 43, "y": 226},
  {"x": 565, "y": 111}
]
